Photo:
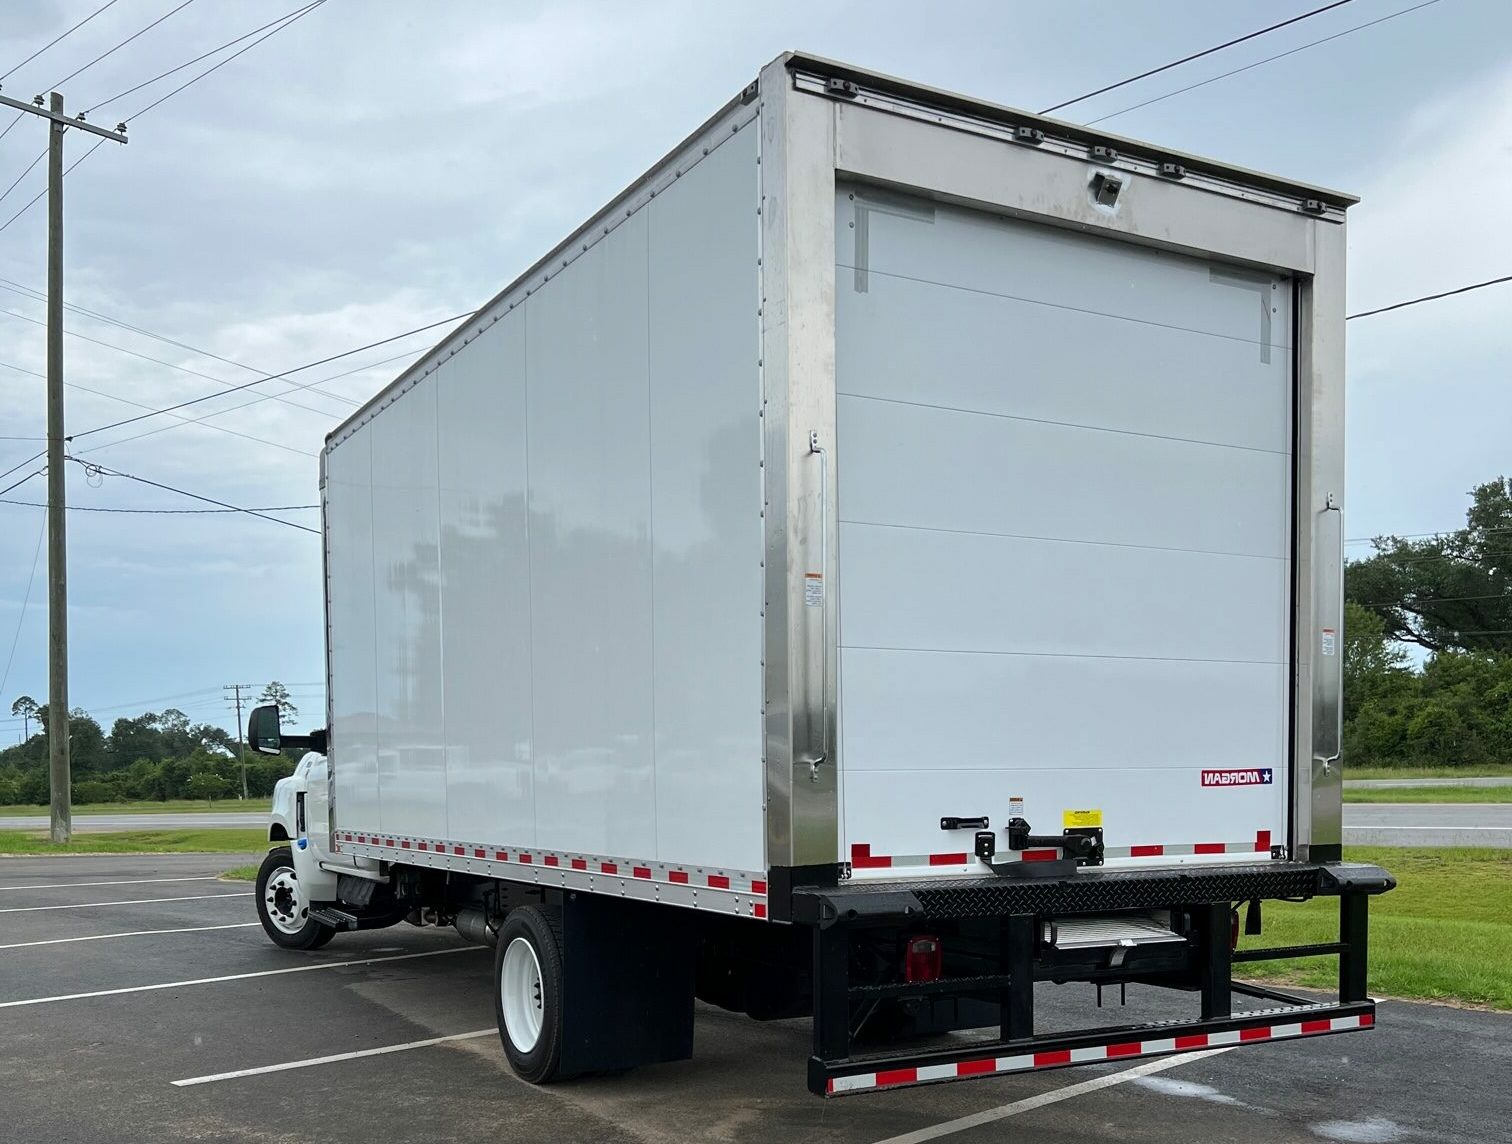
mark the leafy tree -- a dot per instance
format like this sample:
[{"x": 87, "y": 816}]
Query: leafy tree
[
  {"x": 207, "y": 785},
  {"x": 1451, "y": 592},
  {"x": 1373, "y": 664},
  {"x": 94, "y": 790},
  {"x": 138, "y": 738},
  {"x": 26, "y": 707},
  {"x": 277, "y": 693}
]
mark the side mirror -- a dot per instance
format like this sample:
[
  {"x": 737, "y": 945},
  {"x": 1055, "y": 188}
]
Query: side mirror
[{"x": 263, "y": 732}]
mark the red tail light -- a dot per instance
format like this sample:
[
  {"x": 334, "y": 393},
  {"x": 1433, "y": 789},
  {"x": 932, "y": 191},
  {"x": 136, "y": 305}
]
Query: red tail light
[{"x": 922, "y": 958}]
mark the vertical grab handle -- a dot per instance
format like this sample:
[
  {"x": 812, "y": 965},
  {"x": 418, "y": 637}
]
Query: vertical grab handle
[
  {"x": 815, "y": 595},
  {"x": 1328, "y": 616}
]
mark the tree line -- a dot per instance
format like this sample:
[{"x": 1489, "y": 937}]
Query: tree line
[
  {"x": 1449, "y": 595},
  {"x": 158, "y": 755}
]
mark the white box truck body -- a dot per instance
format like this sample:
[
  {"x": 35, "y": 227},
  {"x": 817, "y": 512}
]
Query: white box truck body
[{"x": 896, "y": 523}]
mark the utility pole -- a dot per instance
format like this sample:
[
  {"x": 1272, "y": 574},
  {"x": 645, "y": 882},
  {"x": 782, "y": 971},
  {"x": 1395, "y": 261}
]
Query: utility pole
[
  {"x": 236, "y": 697},
  {"x": 57, "y": 486}
]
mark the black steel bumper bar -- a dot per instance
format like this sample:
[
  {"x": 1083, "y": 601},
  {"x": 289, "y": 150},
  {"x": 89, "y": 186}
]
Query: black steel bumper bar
[
  {"x": 1203, "y": 895},
  {"x": 997, "y": 1058}
]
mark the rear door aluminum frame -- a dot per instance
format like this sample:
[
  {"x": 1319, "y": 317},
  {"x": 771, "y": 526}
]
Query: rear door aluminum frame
[{"x": 821, "y": 123}]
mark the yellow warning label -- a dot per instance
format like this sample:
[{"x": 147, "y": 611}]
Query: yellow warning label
[{"x": 1072, "y": 818}]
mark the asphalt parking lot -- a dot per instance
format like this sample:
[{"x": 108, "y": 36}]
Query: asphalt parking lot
[{"x": 122, "y": 976}]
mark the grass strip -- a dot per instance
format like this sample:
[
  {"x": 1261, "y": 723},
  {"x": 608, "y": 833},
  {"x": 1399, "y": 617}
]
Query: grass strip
[
  {"x": 1442, "y": 935},
  {"x": 210, "y": 840},
  {"x": 1484, "y": 770},
  {"x": 170, "y": 806},
  {"x": 1441, "y": 794}
]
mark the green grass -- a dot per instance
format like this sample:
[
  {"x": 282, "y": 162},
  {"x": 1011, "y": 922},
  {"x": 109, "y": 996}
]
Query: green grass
[
  {"x": 212, "y": 840},
  {"x": 226, "y": 805},
  {"x": 1444, "y": 934},
  {"x": 1485, "y": 770},
  {"x": 1429, "y": 794},
  {"x": 240, "y": 874}
]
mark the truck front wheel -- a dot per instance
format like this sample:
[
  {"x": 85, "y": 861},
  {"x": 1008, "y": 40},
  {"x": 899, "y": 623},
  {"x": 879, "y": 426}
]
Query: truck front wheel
[
  {"x": 282, "y": 906},
  {"x": 528, "y": 994}
]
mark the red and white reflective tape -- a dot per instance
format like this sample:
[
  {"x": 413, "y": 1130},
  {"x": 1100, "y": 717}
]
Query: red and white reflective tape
[
  {"x": 1260, "y": 844},
  {"x": 1092, "y": 1054},
  {"x": 728, "y": 891},
  {"x": 862, "y": 857}
]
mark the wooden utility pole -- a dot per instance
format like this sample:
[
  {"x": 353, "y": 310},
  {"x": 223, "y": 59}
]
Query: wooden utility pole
[
  {"x": 241, "y": 742},
  {"x": 57, "y": 496},
  {"x": 57, "y": 485}
]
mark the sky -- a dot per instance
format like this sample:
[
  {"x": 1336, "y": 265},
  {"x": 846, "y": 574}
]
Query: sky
[{"x": 379, "y": 165}]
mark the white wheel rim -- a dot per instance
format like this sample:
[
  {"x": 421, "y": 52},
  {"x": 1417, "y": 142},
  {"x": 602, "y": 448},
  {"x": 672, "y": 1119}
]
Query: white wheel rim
[
  {"x": 287, "y": 909},
  {"x": 520, "y": 988}
]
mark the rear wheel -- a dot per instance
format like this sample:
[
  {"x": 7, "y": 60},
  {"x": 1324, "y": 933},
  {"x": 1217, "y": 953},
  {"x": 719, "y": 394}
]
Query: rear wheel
[
  {"x": 282, "y": 906},
  {"x": 528, "y": 994}
]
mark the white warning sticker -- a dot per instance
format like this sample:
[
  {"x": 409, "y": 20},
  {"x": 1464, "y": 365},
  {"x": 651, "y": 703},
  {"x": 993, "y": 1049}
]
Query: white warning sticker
[
  {"x": 813, "y": 589},
  {"x": 1016, "y": 806},
  {"x": 1329, "y": 642}
]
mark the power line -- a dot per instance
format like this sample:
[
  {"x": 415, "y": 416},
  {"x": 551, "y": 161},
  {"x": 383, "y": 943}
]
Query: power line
[
  {"x": 1421, "y": 535},
  {"x": 38, "y": 196},
  {"x": 1393, "y": 559},
  {"x": 23, "y": 464},
  {"x": 118, "y": 47},
  {"x": 22, "y": 481},
  {"x": 37, "y": 296},
  {"x": 90, "y": 465},
  {"x": 272, "y": 377},
  {"x": 167, "y": 364},
  {"x": 25, "y": 603},
  {"x": 298, "y": 15},
  {"x": 1258, "y": 63},
  {"x": 177, "y": 420},
  {"x": 57, "y": 39},
  {"x": 292, "y": 18},
  {"x": 195, "y": 60},
  {"x": 1197, "y": 55},
  {"x": 40, "y": 156},
  {"x": 205, "y": 419},
  {"x": 1416, "y": 602},
  {"x": 1432, "y": 297},
  {"x": 168, "y": 511}
]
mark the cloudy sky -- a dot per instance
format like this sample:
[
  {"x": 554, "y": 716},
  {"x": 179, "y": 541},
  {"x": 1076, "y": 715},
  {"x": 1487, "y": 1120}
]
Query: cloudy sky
[{"x": 381, "y": 164}]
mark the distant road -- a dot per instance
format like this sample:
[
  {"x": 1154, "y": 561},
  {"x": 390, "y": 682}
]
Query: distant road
[
  {"x": 1428, "y": 824},
  {"x": 174, "y": 820},
  {"x": 1387, "y": 784}
]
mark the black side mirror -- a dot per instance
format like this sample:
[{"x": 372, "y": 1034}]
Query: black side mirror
[{"x": 263, "y": 732}]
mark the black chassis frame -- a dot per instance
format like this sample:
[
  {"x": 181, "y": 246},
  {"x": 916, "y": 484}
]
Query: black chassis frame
[{"x": 841, "y": 913}]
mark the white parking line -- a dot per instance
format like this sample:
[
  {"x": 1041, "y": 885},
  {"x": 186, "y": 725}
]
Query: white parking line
[
  {"x": 132, "y": 933},
  {"x": 125, "y": 882},
  {"x": 950, "y": 1127},
  {"x": 234, "y": 977},
  {"x": 310, "y": 1062},
  {"x": 132, "y": 902}
]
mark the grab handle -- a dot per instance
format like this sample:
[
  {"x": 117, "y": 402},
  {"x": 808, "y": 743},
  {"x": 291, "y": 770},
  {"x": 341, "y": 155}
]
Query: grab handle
[
  {"x": 815, "y": 595},
  {"x": 1328, "y": 615}
]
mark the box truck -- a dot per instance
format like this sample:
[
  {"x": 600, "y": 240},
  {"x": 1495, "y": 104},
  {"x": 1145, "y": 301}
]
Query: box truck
[{"x": 888, "y": 557}]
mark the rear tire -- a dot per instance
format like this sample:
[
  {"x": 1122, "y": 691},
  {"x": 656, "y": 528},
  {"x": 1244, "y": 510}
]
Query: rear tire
[
  {"x": 528, "y": 994},
  {"x": 282, "y": 906}
]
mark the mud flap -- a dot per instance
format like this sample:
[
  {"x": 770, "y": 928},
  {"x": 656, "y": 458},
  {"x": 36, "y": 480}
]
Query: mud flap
[{"x": 628, "y": 989}]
